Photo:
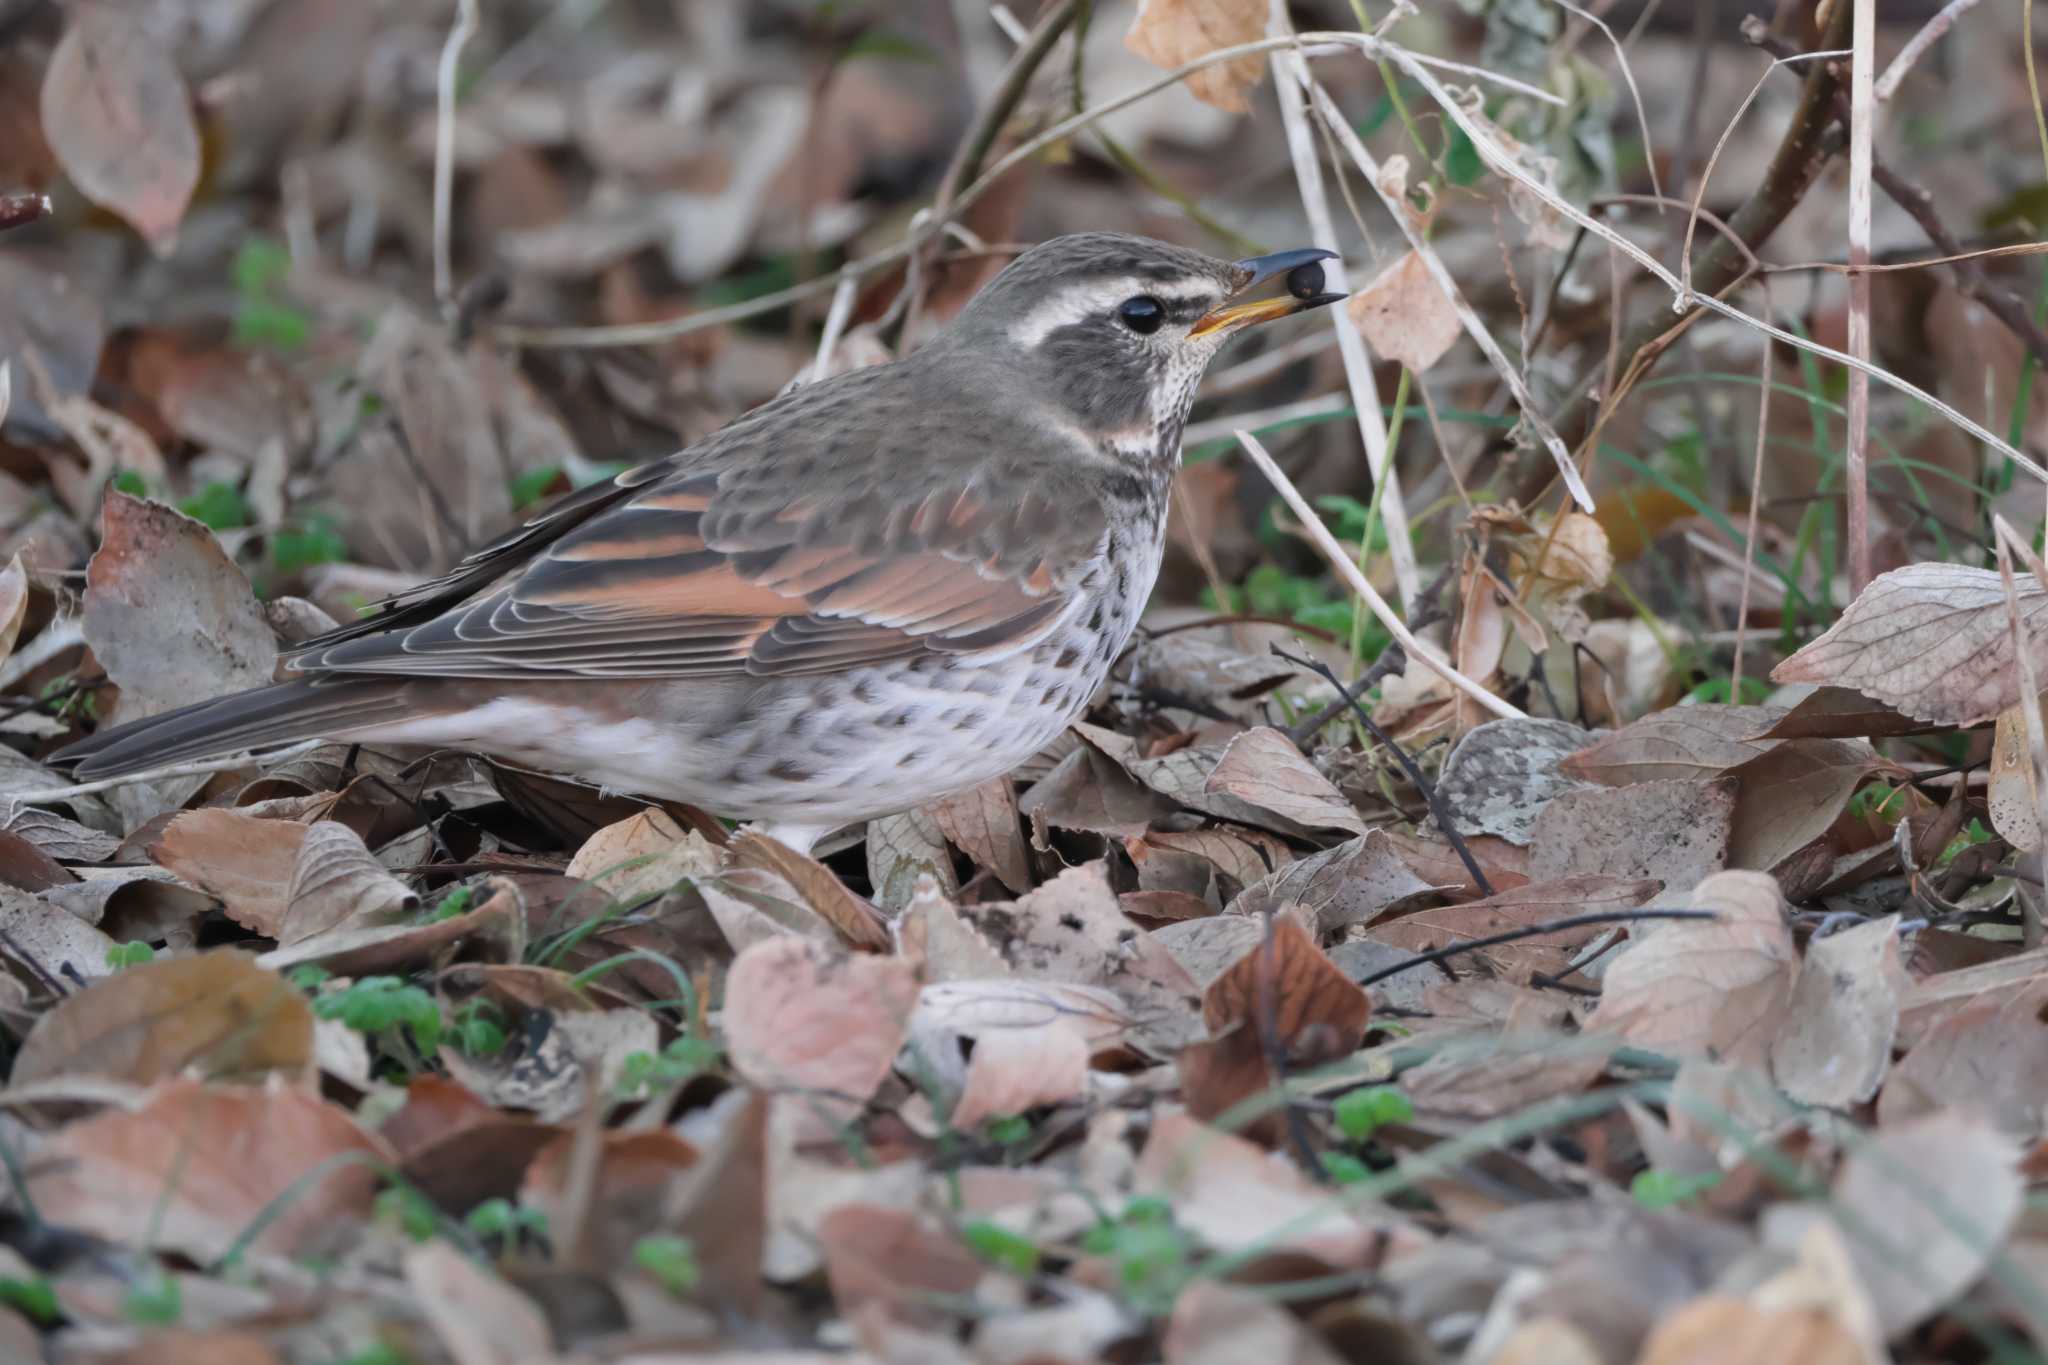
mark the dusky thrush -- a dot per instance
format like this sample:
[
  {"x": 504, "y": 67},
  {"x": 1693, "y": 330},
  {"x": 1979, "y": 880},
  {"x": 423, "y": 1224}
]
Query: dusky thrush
[{"x": 861, "y": 596}]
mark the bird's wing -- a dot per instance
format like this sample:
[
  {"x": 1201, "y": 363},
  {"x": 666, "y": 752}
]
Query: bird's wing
[{"x": 760, "y": 554}]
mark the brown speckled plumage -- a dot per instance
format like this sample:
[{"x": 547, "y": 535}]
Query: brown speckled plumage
[{"x": 862, "y": 595}]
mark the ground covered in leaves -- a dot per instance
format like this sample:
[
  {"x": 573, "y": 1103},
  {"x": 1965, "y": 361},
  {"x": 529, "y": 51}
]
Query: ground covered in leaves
[{"x": 1644, "y": 967}]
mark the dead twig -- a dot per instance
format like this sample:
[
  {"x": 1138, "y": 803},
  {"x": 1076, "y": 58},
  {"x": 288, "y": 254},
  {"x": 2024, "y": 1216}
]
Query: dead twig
[
  {"x": 1862, "y": 109},
  {"x": 1795, "y": 166},
  {"x": 1392, "y": 659},
  {"x": 1528, "y": 931},
  {"x": 2009, "y": 308},
  {"x": 444, "y": 149},
  {"x": 1290, "y": 80},
  {"x": 1930, "y": 33},
  {"x": 1320, "y": 536},
  {"x": 1438, "y": 811}
]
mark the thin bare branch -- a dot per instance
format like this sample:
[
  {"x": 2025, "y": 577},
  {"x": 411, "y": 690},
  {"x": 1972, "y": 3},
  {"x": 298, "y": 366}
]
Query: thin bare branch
[
  {"x": 1474, "y": 327},
  {"x": 1930, "y": 33},
  {"x": 1319, "y": 535},
  {"x": 1863, "y": 40},
  {"x": 2008, "y": 544},
  {"x": 1684, "y": 297},
  {"x": 1756, "y": 489},
  {"x": 1290, "y": 75},
  {"x": 444, "y": 148}
]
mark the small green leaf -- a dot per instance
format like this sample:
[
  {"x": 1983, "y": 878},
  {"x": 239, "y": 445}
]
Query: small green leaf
[
  {"x": 309, "y": 976},
  {"x": 1345, "y": 1168},
  {"x": 535, "y": 484},
  {"x": 1008, "y": 1131},
  {"x": 316, "y": 542},
  {"x": 671, "y": 1260},
  {"x": 218, "y": 505},
  {"x": 261, "y": 264},
  {"x": 269, "y": 324},
  {"x": 154, "y": 1300},
  {"x": 885, "y": 42},
  {"x": 455, "y": 903},
  {"x": 131, "y": 954},
  {"x": 1360, "y": 1113},
  {"x": 1001, "y": 1247},
  {"x": 33, "y": 1298},
  {"x": 1664, "y": 1189},
  {"x": 406, "y": 1209},
  {"x": 131, "y": 483},
  {"x": 1462, "y": 163}
]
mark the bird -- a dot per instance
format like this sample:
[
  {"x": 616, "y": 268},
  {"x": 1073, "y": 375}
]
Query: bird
[{"x": 865, "y": 594}]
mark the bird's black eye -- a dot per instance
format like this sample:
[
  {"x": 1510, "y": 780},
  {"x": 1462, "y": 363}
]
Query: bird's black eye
[{"x": 1142, "y": 314}]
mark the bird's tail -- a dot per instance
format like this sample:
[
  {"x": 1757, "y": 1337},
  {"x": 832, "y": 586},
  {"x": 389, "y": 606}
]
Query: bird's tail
[{"x": 266, "y": 716}]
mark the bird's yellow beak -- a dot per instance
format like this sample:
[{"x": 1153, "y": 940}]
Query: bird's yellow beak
[{"x": 1304, "y": 291}]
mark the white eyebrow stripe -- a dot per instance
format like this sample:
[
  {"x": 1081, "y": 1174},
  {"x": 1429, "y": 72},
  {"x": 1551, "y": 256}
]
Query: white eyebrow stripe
[{"x": 1080, "y": 302}]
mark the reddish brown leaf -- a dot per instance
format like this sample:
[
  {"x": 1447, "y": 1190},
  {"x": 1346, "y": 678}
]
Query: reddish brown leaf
[
  {"x": 983, "y": 823},
  {"x": 244, "y": 861},
  {"x": 1170, "y": 33},
  {"x": 809, "y": 1017},
  {"x": 858, "y": 922},
  {"x": 193, "y": 1168},
  {"x": 168, "y": 614}
]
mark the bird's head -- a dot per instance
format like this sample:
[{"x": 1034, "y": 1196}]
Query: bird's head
[{"x": 1117, "y": 329}]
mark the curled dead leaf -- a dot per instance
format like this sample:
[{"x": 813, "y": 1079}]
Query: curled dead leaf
[{"x": 336, "y": 883}]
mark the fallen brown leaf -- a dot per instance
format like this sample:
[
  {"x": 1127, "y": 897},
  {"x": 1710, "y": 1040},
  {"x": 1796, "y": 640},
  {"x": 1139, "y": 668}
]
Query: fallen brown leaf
[
  {"x": 1837, "y": 1037},
  {"x": 1933, "y": 640},
  {"x": 1923, "y": 1206},
  {"x": 480, "y": 1319},
  {"x": 816, "y": 1019},
  {"x": 983, "y": 823},
  {"x": 1791, "y": 795},
  {"x": 246, "y": 862},
  {"x": 1681, "y": 743},
  {"x": 1170, "y": 33},
  {"x": 119, "y": 118},
  {"x": 1989, "y": 1058},
  {"x": 167, "y": 613},
  {"x": 1715, "y": 988},
  {"x": 1723, "y": 1331},
  {"x": 642, "y": 856},
  {"x": 194, "y": 1167},
  {"x": 217, "y": 1013},
  {"x": 1406, "y": 315},
  {"x": 857, "y": 922},
  {"x": 1502, "y": 773},
  {"x": 1524, "y": 907},
  {"x": 1356, "y": 883},
  {"x": 1674, "y": 832},
  {"x": 337, "y": 883}
]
